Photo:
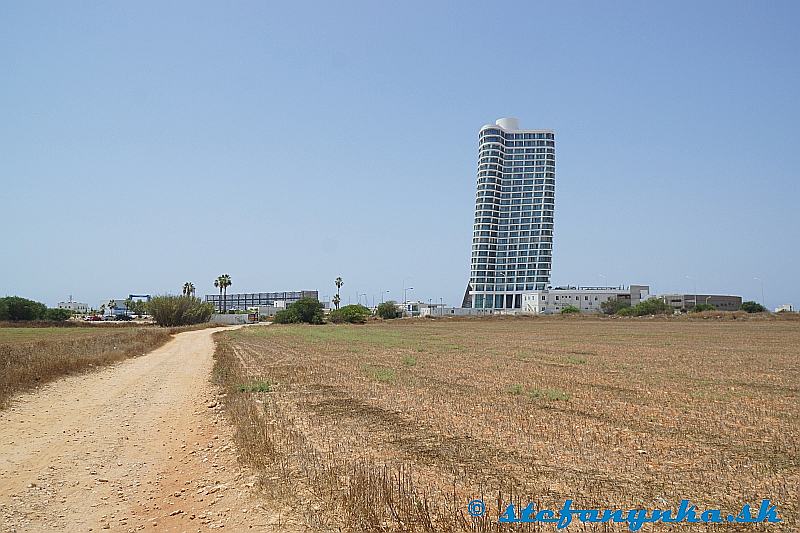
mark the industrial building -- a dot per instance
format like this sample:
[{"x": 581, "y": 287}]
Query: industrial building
[
  {"x": 512, "y": 234},
  {"x": 245, "y": 301},
  {"x": 684, "y": 302},
  {"x": 587, "y": 299}
]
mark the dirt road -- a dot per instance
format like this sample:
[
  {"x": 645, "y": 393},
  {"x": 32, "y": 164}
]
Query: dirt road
[{"x": 139, "y": 445}]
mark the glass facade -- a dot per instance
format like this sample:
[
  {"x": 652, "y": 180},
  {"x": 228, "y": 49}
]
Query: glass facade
[
  {"x": 512, "y": 239},
  {"x": 243, "y": 301}
]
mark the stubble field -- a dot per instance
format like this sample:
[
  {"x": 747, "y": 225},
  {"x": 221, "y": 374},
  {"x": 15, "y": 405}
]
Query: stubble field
[{"x": 397, "y": 425}]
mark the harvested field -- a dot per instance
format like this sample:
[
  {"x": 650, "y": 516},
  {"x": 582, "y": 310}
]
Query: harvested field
[
  {"x": 32, "y": 356},
  {"x": 397, "y": 425}
]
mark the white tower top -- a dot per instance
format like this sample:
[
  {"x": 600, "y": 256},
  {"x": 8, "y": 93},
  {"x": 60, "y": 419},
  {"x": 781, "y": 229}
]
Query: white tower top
[{"x": 508, "y": 123}]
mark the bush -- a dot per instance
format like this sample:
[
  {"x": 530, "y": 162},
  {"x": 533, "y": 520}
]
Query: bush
[
  {"x": 352, "y": 314},
  {"x": 389, "y": 310},
  {"x": 699, "y": 308},
  {"x": 569, "y": 310},
  {"x": 58, "y": 315},
  {"x": 285, "y": 316},
  {"x": 626, "y": 311},
  {"x": 16, "y": 308},
  {"x": 304, "y": 310},
  {"x": 752, "y": 307},
  {"x": 652, "y": 306},
  {"x": 614, "y": 306},
  {"x": 170, "y": 311}
]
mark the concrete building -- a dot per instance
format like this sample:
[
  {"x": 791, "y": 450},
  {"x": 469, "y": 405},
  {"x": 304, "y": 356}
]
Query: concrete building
[
  {"x": 75, "y": 307},
  {"x": 684, "y": 302},
  {"x": 785, "y": 308},
  {"x": 245, "y": 301},
  {"x": 587, "y": 299},
  {"x": 456, "y": 311},
  {"x": 512, "y": 239}
]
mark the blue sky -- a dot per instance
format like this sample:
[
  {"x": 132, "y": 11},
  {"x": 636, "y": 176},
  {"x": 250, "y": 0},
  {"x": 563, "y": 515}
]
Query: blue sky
[{"x": 146, "y": 144}]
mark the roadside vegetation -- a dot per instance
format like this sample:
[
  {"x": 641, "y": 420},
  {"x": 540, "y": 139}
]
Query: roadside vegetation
[
  {"x": 171, "y": 311},
  {"x": 32, "y": 356},
  {"x": 303, "y": 311},
  {"x": 395, "y": 425}
]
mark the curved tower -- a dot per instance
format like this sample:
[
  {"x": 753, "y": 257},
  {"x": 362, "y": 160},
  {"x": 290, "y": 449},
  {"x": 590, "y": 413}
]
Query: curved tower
[{"x": 512, "y": 239}]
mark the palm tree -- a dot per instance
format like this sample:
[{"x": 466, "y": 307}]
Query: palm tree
[
  {"x": 188, "y": 289},
  {"x": 339, "y": 284},
  {"x": 217, "y": 283},
  {"x": 128, "y": 304},
  {"x": 112, "y": 304},
  {"x": 223, "y": 282}
]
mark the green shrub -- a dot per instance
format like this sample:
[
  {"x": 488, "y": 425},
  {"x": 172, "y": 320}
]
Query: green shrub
[
  {"x": 614, "y": 306},
  {"x": 58, "y": 315},
  {"x": 652, "y": 306},
  {"x": 752, "y": 307},
  {"x": 389, "y": 310},
  {"x": 286, "y": 316},
  {"x": 569, "y": 310},
  {"x": 699, "y": 308},
  {"x": 170, "y": 311},
  {"x": 303, "y": 311},
  {"x": 351, "y": 314},
  {"x": 626, "y": 311},
  {"x": 16, "y": 308}
]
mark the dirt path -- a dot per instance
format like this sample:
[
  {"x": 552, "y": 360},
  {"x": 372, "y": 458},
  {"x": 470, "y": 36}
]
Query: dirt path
[{"x": 141, "y": 445}]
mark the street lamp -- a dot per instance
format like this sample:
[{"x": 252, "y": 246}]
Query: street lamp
[
  {"x": 405, "y": 297},
  {"x": 384, "y": 292},
  {"x": 695, "y": 289},
  {"x": 762, "y": 291}
]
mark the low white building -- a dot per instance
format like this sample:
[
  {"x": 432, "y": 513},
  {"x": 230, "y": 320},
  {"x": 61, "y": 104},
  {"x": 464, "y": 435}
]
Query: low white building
[
  {"x": 75, "y": 307},
  {"x": 456, "y": 311},
  {"x": 587, "y": 299},
  {"x": 785, "y": 308}
]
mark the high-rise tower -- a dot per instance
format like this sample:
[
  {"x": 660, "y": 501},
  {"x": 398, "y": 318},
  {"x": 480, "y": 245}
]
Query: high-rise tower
[{"x": 512, "y": 239}]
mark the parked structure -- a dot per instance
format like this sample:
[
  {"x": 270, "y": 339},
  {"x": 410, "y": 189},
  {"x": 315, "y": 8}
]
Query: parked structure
[
  {"x": 244, "y": 301},
  {"x": 75, "y": 307},
  {"x": 587, "y": 299},
  {"x": 721, "y": 302},
  {"x": 512, "y": 239}
]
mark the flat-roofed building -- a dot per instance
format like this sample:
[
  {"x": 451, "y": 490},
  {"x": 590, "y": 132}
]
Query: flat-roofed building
[
  {"x": 75, "y": 307},
  {"x": 249, "y": 300},
  {"x": 586, "y": 299},
  {"x": 721, "y": 302}
]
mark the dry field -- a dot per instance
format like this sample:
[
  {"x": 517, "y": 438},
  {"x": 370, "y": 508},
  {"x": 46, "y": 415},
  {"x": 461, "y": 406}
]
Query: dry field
[
  {"x": 397, "y": 425},
  {"x": 30, "y": 356}
]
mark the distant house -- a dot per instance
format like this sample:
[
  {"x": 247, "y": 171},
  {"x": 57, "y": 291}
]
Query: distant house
[
  {"x": 785, "y": 308},
  {"x": 75, "y": 307}
]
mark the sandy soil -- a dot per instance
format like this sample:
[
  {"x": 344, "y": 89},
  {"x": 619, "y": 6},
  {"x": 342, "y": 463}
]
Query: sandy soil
[{"x": 141, "y": 445}]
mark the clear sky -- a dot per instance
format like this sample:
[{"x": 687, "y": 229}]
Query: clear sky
[{"x": 145, "y": 144}]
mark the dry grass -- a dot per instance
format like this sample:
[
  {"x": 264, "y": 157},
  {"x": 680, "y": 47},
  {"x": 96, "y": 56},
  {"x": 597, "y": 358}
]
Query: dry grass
[
  {"x": 32, "y": 356},
  {"x": 610, "y": 413}
]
